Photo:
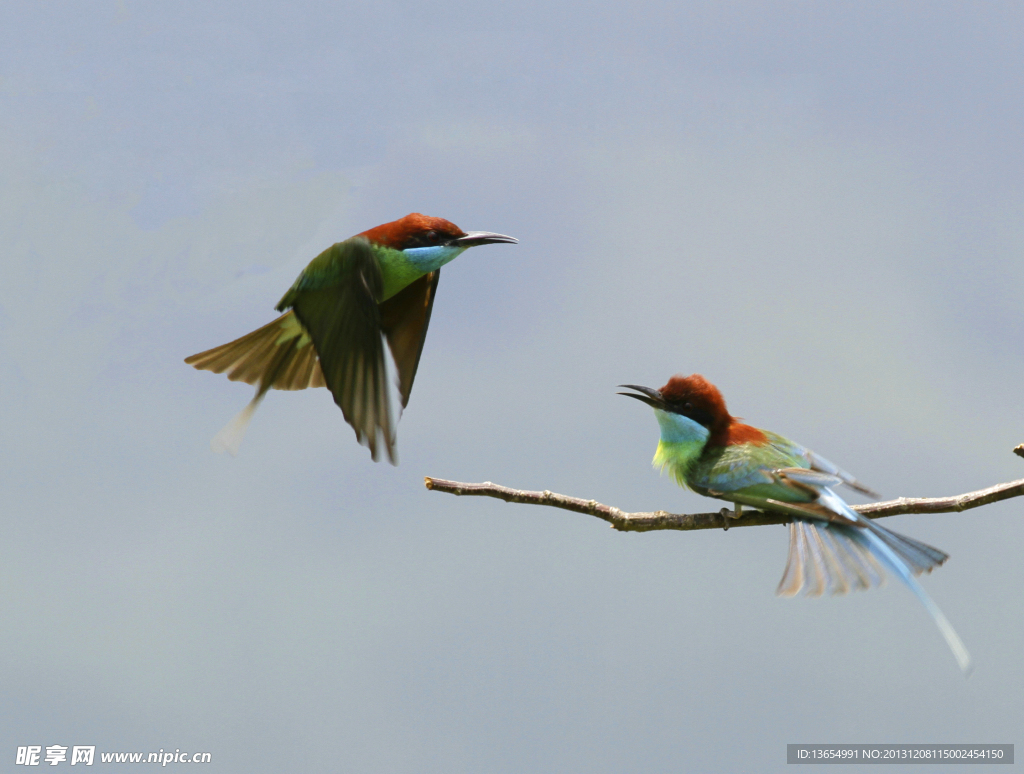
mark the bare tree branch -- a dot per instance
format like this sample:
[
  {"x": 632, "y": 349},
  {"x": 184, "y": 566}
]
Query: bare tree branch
[{"x": 725, "y": 518}]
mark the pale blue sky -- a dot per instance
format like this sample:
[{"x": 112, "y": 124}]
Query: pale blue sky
[{"x": 816, "y": 205}]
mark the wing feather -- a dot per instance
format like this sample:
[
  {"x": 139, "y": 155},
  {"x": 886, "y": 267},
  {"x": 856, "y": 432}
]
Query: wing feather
[
  {"x": 404, "y": 319},
  {"x": 249, "y": 358},
  {"x": 819, "y": 463},
  {"x": 343, "y": 320}
]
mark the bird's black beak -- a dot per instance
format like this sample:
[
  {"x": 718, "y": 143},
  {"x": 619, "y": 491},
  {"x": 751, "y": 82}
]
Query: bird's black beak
[
  {"x": 647, "y": 395},
  {"x": 474, "y": 238}
]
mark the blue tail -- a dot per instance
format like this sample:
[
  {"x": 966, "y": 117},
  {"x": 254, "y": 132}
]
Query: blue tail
[
  {"x": 881, "y": 547},
  {"x": 837, "y": 557}
]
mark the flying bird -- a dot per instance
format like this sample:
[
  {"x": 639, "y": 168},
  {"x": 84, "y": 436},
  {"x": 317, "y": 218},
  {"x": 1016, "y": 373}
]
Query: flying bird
[
  {"x": 378, "y": 285},
  {"x": 831, "y": 547}
]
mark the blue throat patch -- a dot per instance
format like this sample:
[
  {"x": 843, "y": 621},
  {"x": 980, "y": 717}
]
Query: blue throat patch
[
  {"x": 400, "y": 267},
  {"x": 675, "y": 428},
  {"x": 427, "y": 259},
  {"x": 682, "y": 441}
]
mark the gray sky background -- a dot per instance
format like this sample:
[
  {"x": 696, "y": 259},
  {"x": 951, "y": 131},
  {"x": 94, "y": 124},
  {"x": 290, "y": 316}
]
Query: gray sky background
[{"x": 816, "y": 205}]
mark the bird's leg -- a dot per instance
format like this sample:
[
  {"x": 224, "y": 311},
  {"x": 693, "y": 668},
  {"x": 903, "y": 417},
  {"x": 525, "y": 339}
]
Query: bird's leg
[{"x": 726, "y": 514}]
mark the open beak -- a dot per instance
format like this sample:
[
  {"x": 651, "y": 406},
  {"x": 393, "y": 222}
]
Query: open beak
[
  {"x": 647, "y": 395},
  {"x": 474, "y": 238}
]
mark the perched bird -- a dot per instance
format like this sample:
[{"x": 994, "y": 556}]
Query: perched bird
[
  {"x": 831, "y": 546},
  {"x": 377, "y": 285}
]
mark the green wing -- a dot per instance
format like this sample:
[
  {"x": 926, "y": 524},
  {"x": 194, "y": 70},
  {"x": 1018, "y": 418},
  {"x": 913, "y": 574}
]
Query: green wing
[
  {"x": 336, "y": 300},
  {"x": 277, "y": 356},
  {"x": 776, "y": 475},
  {"x": 746, "y": 468}
]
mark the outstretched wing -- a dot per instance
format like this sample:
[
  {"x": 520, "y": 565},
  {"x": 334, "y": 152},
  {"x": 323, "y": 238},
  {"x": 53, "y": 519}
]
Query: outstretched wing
[
  {"x": 280, "y": 355},
  {"x": 404, "y": 319},
  {"x": 340, "y": 311},
  {"x": 277, "y": 356}
]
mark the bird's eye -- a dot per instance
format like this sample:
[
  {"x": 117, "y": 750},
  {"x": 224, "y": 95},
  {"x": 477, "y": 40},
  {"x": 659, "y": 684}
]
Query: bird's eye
[
  {"x": 431, "y": 236},
  {"x": 687, "y": 405}
]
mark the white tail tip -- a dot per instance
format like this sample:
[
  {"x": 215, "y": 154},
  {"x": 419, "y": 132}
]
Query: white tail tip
[{"x": 230, "y": 438}]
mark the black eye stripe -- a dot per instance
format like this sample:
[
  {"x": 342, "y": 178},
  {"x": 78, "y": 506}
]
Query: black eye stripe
[
  {"x": 426, "y": 239},
  {"x": 687, "y": 409}
]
